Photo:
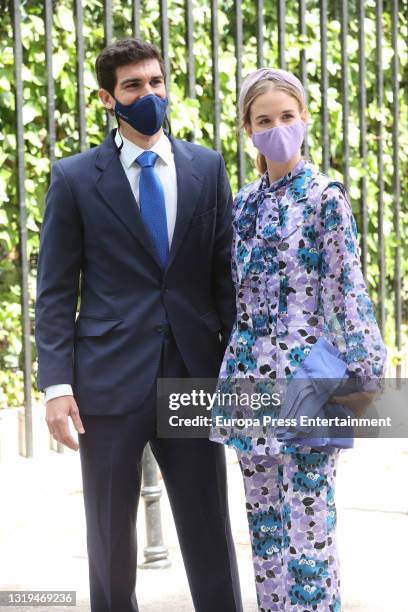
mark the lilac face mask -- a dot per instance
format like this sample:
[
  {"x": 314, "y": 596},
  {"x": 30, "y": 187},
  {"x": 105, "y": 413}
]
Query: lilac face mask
[{"x": 280, "y": 143}]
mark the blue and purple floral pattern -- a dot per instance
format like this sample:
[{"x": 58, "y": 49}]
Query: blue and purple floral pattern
[
  {"x": 291, "y": 516},
  {"x": 297, "y": 274}
]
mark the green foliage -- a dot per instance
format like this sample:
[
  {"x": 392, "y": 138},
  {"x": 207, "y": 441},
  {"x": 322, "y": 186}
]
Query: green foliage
[{"x": 187, "y": 116}]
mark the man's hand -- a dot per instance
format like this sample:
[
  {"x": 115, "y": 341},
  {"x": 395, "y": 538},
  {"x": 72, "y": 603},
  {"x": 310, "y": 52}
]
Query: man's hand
[{"x": 58, "y": 411}]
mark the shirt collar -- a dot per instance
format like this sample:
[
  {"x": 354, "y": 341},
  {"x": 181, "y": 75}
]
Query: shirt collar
[
  {"x": 283, "y": 180},
  {"x": 130, "y": 151}
]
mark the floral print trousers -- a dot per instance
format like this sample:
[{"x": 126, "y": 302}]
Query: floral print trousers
[{"x": 292, "y": 520}]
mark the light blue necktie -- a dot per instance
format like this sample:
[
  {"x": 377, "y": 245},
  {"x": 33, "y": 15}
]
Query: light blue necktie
[{"x": 152, "y": 204}]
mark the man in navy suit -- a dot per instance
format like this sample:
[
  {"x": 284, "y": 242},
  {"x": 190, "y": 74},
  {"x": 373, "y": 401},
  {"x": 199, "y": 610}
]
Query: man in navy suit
[{"x": 140, "y": 228}]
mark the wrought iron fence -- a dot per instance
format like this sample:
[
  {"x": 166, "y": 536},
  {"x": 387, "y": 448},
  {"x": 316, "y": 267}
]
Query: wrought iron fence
[{"x": 266, "y": 12}]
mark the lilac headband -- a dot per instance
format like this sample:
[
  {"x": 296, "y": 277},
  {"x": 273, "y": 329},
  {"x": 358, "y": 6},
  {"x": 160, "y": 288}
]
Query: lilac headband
[{"x": 275, "y": 74}]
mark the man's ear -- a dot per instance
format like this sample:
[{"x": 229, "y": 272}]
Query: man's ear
[{"x": 107, "y": 100}]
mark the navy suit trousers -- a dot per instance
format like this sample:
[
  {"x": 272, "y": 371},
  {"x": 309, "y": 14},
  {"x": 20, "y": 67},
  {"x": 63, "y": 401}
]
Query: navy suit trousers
[{"x": 194, "y": 472}]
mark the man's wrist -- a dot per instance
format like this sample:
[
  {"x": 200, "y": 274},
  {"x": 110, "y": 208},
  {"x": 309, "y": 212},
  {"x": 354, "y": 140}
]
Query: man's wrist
[{"x": 54, "y": 391}]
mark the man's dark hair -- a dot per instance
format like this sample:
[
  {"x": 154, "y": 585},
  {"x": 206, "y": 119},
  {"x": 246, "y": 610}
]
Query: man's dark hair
[{"x": 120, "y": 53}]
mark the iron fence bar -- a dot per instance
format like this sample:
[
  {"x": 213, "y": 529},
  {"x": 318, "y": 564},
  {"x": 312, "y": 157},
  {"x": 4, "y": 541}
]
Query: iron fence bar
[
  {"x": 164, "y": 36},
  {"x": 108, "y": 21},
  {"x": 136, "y": 18},
  {"x": 215, "y": 76},
  {"x": 324, "y": 86},
  {"x": 238, "y": 81},
  {"x": 396, "y": 177},
  {"x": 191, "y": 93},
  {"x": 303, "y": 63},
  {"x": 48, "y": 14},
  {"x": 108, "y": 31},
  {"x": 80, "y": 60},
  {"x": 164, "y": 33},
  {"x": 362, "y": 104},
  {"x": 50, "y": 80},
  {"x": 345, "y": 94},
  {"x": 260, "y": 58},
  {"x": 281, "y": 33},
  {"x": 380, "y": 161},
  {"x": 156, "y": 554},
  {"x": 190, "y": 50},
  {"x": 23, "y": 258},
  {"x": 48, "y": 21}
]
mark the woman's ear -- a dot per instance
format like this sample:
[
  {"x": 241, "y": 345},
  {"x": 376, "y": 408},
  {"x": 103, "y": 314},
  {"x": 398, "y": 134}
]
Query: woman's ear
[{"x": 248, "y": 129}]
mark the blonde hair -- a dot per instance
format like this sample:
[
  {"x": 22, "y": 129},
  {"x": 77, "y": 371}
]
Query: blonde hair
[{"x": 256, "y": 89}]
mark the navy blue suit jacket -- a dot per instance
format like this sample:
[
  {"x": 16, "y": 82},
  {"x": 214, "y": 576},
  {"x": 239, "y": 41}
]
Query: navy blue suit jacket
[{"x": 93, "y": 243}]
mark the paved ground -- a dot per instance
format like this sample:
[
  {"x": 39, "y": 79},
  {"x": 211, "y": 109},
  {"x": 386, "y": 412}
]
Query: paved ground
[{"x": 42, "y": 533}]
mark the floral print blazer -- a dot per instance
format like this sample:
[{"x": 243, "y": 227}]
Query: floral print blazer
[{"x": 297, "y": 273}]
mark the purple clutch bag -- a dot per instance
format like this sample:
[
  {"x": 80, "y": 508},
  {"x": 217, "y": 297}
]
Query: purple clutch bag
[{"x": 321, "y": 374}]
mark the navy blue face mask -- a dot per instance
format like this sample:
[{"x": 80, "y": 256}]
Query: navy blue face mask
[{"x": 145, "y": 114}]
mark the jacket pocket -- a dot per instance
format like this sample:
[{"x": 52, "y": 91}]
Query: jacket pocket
[
  {"x": 204, "y": 217},
  {"x": 89, "y": 326}
]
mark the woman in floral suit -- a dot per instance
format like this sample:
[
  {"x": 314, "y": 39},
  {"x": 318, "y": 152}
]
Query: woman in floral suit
[{"x": 296, "y": 268}]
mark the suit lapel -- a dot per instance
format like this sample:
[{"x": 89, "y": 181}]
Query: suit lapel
[
  {"x": 189, "y": 186},
  {"x": 115, "y": 191},
  {"x": 114, "y": 188}
]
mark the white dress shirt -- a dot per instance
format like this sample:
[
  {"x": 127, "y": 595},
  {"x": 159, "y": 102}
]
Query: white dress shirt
[{"x": 166, "y": 170}]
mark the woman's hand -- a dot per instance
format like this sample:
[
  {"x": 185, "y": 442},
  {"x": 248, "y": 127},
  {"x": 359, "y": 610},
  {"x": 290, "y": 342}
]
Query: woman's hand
[{"x": 357, "y": 402}]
